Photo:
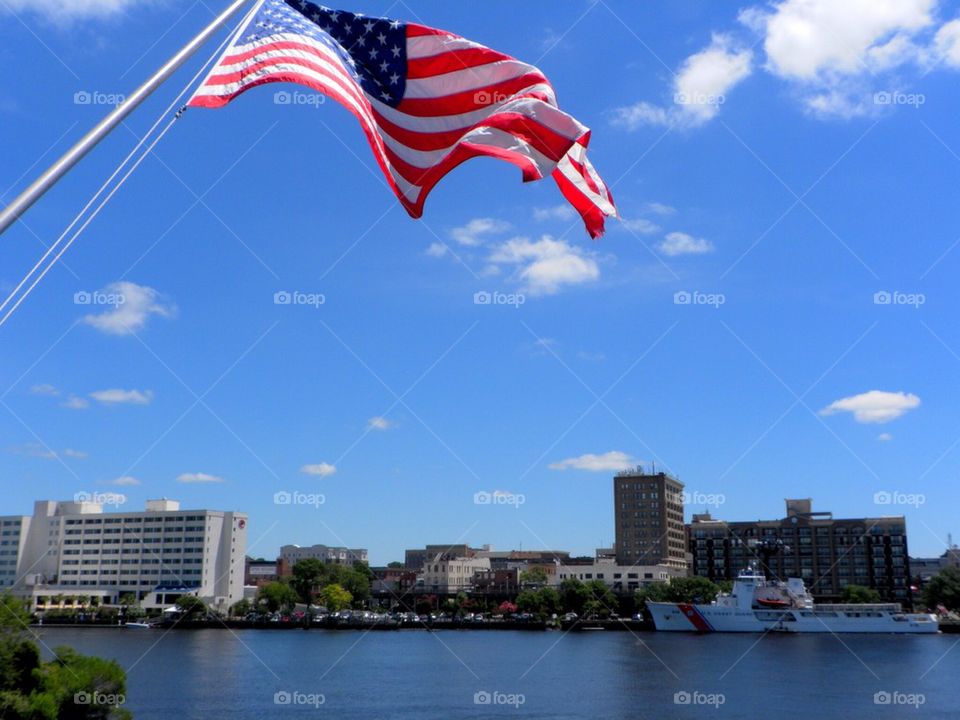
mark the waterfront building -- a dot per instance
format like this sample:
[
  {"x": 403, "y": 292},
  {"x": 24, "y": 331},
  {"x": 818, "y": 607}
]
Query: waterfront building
[
  {"x": 451, "y": 575},
  {"x": 923, "y": 569},
  {"x": 622, "y": 579},
  {"x": 260, "y": 572},
  {"x": 827, "y": 553},
  {"x": 648, "y": 519},
  {"x": 290, "y": 555},
  {"x": 416, "y": 558},
  {"x": 75, "y": 549},
  {"x": 13, "y": 534}
]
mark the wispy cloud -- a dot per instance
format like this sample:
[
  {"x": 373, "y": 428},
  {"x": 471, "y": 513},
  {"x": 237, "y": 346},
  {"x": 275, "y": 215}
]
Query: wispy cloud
[
  {"x": 476, "y": 231},
  {"x": 124, "y": 481},
  {"x": 44, "y": 389},
  {"x": 605, "y": 462},
  {"x": 199, "y": 478},
  {"x": 138, "y": 304},
  {"x": 546, "y": 266},
  {"x": 678, "y": 243},
  {"x": 116, "y": 396},
  {"x": 319, "y": 469},
  {"x": 379, "y": 423},
  {"x": 875, "y": 406}
]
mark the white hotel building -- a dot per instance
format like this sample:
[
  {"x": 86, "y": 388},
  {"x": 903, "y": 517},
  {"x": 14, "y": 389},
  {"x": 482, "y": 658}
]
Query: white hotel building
[{"x": 76, "y": 549}]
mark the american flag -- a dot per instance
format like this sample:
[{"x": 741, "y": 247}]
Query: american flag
[{"x": 427, "y": 99}]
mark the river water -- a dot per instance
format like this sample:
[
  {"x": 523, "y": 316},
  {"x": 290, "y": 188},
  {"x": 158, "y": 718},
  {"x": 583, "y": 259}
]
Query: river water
[{"x": 259, "y": 674}]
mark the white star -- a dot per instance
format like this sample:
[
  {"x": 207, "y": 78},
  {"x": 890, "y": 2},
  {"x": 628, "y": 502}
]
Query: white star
[
  {"x": 396, "y": 51},
  {"x": 303, "y": 5},
  {"x": 384, "y": 66},
  {"x": 394, "y": 79},
  {"x": 361, "y": 41},
  {"x": 369, "y": 26},
  {"x": 382, "y": 38},
  {"x": 385, "y": 95},
  {"x": 334, "y": 16},
  {"x": 316, "y": 18},
  {"x": 374, "y": 53},
  {"x": 394, "y": 24}
]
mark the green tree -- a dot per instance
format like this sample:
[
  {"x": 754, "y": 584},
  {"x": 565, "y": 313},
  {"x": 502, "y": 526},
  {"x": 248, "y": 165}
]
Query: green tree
[
  {"x": 83, "y": 686},
  {"x": 574, "y": 595},
  {"x": 601, "y": 599},
  {"x": 241, "y": 608},
  {"x": 859, "y": 594},
  {"x": 336, "y": 597},
  {"x": 308, "y": 578},
  {"x": 190, "y": 605},
  {"x": 943, "y": 589},
  {"x": 276, "y": 596},
  {"x": 533, "y": 576},
  {"x": 396, "y": 565}
]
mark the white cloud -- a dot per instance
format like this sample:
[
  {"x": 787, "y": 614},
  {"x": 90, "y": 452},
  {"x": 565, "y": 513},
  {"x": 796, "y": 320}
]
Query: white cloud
[
  {"x": 116, "y": 396},
  {"x": 437, "y": 249},
  {"x": 699, "y": 88},
  {"x": 124, "y": 481},
  {"x": 44, "y": 389},
  {"x": 139, "y": 303},
  {"x": 379, "y": 423},
  {"x": 75, "y": 402},
  {"x": 678, "y": 243},
  {"x": 475, "y": 231},
  {"x": 61, "y": 12},
  {"x": 884, "y": 437},
  {"x": 198, "y": 478},
  {"x": 876, "y": 406},
  {"x": 641, "y": 226},
  {"x": 947, "y": 43},
  {"x": 38, "y": 450},
  {"x": 559, "y": 212},
  {"x": 319, "y": 469},
  {"x": 547, "y": 265},
  {"x": 811, "y": 40},
  {"x": 606, "y": 462},
  {"x": 659, "y": 208},
  {"x": 75, "y": 454}
]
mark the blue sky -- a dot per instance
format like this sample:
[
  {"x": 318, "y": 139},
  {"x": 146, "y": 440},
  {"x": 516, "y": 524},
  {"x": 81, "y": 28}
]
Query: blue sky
[{"x": 778, "y": 166}]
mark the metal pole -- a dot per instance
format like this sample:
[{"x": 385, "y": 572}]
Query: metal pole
[{"x": 61, "y": 167}]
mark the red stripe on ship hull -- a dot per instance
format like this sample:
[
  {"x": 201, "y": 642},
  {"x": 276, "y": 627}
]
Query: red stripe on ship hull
[{"x": 695, "y": 617}]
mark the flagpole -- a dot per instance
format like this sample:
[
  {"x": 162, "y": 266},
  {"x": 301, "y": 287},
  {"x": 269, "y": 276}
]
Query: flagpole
[{"x": 61, "y": 167}]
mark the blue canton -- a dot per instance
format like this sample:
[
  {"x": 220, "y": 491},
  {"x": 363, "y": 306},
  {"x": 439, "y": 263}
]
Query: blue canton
[{"x": 373, "y": 50}]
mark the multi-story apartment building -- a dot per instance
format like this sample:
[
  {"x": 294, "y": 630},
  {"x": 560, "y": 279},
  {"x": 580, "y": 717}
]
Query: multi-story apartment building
[
  {"x": 451, "y": 575},
  {"x": 13, "y": 533},
  {"x": 622, "y": 579},
  {"x": 648, "y": 519},
  {"x": 827, "y": 553},
  {"x": 156, "y": 555},
  {"x": 290, "y": 555},
  {"x": 416, "y": 558}
]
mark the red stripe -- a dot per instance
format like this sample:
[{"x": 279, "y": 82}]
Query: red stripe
[
  {"x": 469, "y": 100},
  {"x": 694, "y": 616},
  {"x": 593, "y": 218},
  {"x": 415, "y": 30},
  {"x": 452, "y": 60}
]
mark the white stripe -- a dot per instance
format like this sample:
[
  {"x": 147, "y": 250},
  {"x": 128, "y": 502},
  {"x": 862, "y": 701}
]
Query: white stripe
[
  {"x": 570, "y": 172},
  {"x": 430, "y": 45},
  {"x": 467, "y": 79}
]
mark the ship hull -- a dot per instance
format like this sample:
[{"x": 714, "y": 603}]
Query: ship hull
[{"x": 684, "y": 617}]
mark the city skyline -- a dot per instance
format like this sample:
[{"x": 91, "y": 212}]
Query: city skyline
[{"x": 293, "y": 331}]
